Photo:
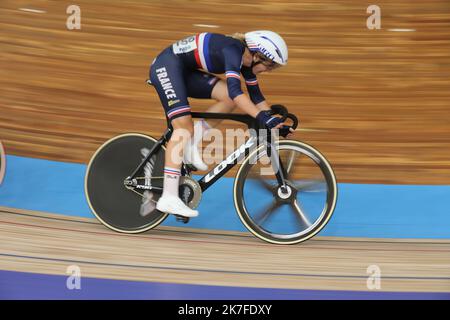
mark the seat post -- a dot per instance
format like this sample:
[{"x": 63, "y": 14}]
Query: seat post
[
  {"x": 165, "y": 137},
  {"x": 167, "y": 134}
]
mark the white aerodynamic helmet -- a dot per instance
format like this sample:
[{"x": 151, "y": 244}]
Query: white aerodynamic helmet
[{"x": 269, "y": 44}]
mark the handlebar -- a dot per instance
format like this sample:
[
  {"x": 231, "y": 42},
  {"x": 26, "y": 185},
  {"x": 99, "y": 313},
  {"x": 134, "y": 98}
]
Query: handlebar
[{"x": 284, "y": 113}]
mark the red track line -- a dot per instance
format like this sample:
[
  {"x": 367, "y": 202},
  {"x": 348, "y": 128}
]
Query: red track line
[
  {"x": 119, "y": 234},
  {"x": 201, "y": 241}
]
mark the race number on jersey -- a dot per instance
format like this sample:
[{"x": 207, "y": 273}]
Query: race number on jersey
[{"x": 185, "y": 45}]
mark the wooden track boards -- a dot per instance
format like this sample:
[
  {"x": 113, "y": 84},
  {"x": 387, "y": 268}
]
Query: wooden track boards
[{"x": 47, "y": 243}]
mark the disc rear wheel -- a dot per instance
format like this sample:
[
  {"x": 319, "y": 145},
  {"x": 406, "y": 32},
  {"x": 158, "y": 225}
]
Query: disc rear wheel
[{"x": 121, "y": 208}]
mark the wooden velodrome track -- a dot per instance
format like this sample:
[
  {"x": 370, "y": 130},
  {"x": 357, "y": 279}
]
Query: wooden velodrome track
[
  {"x": 43, "y": 243},
  {"x": 375, "y": 102}
]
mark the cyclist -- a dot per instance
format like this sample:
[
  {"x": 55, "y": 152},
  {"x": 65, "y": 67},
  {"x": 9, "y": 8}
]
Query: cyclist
[{"x": 185, "y": 69}]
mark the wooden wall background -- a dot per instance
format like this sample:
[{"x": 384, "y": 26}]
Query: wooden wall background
[{"x": 375, "y": 102}]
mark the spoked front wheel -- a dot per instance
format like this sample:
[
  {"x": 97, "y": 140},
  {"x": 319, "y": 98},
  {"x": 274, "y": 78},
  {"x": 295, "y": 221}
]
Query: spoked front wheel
[
  {"x": 285, "y": 215},
  {"x": 116, "y": 205}
]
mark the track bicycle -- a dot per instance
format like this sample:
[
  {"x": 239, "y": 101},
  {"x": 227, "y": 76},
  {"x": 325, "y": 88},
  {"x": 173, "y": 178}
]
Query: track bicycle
[{"x": 284, "y": 191}]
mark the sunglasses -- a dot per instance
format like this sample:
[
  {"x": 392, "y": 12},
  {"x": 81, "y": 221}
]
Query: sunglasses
[{"x": 266, "y": 62}]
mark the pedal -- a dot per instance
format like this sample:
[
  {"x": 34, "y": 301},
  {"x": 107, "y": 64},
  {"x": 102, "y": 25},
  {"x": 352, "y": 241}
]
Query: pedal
[{"x": 182, "y": 219}]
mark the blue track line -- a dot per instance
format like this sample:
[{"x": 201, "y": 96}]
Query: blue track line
[
  {"x": 363, "y": 210},
  {"x": 21, "y": 285}
]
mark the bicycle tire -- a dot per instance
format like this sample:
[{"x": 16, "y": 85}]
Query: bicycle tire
[
  {"x": 246, "y": 218},
  {"x": 2, "y": 162},
  {"x": 111, "y": 202}
]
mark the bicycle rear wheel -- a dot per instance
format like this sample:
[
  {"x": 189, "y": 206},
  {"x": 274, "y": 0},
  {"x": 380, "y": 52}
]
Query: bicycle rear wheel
[
  {"x": 285, "y": 216},
  {"x": 116, "y": 206},
  {"x": 2, "y": 162}
]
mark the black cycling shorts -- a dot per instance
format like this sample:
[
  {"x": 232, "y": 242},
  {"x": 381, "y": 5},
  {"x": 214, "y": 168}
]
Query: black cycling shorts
[{"x": 174, "y": 83}]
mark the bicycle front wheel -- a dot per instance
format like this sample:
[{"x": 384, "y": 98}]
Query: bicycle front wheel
[
  {"x": 293, "y": 214},
  {"x": 116, "y": 206}
]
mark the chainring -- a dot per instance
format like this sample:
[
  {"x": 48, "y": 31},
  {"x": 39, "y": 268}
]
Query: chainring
[{"x": 190, "y": 191}]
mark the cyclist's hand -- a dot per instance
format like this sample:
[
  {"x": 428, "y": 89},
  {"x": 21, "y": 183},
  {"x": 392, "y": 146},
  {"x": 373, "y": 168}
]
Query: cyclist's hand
[
  {"x": 285, "y": 131},
  {"x": 266, "y": 119}
]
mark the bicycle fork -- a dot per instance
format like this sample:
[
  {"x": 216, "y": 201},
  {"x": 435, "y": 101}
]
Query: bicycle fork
[{"x": 277, "y": 166}]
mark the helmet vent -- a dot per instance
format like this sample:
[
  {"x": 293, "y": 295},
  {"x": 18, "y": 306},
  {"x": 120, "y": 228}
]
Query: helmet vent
[{"x": 276, "y": 48}]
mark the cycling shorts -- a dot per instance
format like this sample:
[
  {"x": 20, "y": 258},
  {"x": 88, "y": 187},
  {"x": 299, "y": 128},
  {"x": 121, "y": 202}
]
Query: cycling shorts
[{"x": 174, "y": 83}]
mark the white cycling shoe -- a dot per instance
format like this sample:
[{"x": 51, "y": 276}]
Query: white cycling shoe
[
  {"x": 192, "y": 156},
  {"x": 174, "y": 205}
]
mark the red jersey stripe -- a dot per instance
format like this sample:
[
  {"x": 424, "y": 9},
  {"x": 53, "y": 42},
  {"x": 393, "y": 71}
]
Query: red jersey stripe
[{"x": 196, "y": 53}]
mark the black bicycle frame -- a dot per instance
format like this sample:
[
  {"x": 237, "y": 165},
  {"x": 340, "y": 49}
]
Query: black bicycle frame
[{"x": 231, "y": 160}]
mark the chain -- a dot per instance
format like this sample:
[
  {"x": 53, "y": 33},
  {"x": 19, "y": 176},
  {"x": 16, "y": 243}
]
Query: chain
[{"x": 141, "y": 195}]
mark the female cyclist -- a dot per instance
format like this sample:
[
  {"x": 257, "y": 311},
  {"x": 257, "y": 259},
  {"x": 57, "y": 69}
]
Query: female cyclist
[{"x": 185, "y": 70}]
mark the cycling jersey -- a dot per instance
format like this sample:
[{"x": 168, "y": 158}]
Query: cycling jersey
[{"x": 183, "y": 70}]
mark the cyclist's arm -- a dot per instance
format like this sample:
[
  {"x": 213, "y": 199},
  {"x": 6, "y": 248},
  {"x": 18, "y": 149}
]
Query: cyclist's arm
[
  {"x": 263, "y": 105},
  {"x": 253, "y": 89},
  {"x": 233, "y": 65},
  {"x": 244, "y": 103}
]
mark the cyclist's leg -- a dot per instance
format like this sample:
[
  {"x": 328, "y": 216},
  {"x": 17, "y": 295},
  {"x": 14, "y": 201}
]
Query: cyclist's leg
[
  {"x": 224, "y": 103},
  {"x": 203, "y": 85},
  {"x": 167, "y": 77},
  {"x": 170, "y": 201}
]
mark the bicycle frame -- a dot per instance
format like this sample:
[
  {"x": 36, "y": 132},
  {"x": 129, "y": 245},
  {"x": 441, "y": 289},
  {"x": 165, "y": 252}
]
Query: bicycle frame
[{"x": 231, "y": 160}]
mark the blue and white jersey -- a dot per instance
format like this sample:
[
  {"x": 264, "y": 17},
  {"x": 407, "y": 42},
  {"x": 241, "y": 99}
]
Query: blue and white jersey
[{"x": 219, "y": 54}]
